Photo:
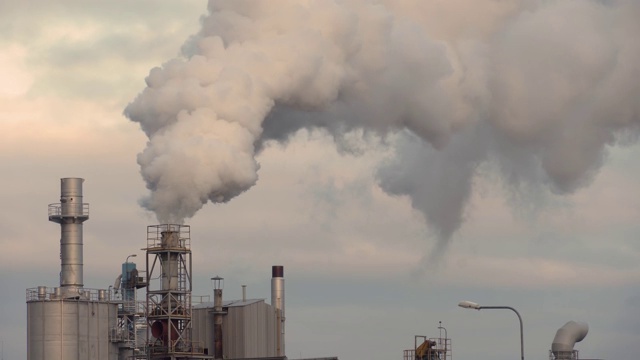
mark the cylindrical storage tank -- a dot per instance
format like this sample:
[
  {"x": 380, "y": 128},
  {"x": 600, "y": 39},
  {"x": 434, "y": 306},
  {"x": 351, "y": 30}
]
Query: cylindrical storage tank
[{"x": 70, "y": 330}]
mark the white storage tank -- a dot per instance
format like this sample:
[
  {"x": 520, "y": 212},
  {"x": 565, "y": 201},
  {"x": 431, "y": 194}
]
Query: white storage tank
[{"x": 69, "y": 329}]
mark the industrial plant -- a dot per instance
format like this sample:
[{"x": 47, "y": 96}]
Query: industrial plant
[{"x": 71, "y": 322}]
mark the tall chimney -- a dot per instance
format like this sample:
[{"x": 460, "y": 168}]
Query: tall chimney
[
  {"x": 277, "y": 301},
  {"x": 70, "y": 213},
  {"x": 218, "y": 284}
]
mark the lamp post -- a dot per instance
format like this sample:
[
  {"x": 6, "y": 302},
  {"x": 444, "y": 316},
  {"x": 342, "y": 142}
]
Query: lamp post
[
  {"x": 445, "y": 335},
  {"x": 442, "y": 328},
  {"x": 472, "y": 305}
]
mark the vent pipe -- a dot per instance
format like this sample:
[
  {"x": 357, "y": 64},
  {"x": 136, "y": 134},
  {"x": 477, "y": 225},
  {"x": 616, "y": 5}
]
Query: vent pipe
[
  {"x": 70, "y": 213},
  {"x": 566, "y": 337},
  {"x": 277, "y": 301},
  {"x": 218, "y": 284}
]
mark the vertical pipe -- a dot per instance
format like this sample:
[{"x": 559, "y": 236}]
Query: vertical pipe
[
  {"x": 70, "y": 213},
  {"x": 42, "y": 292},
  {"x": 244, "y": 293},
  {"x": 170, "y": 241},
  {"x": 217, "y": 323},
  {"x": 277, "y": 301}
]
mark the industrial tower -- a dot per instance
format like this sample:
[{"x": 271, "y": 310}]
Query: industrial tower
[{"x": 169, "y": 289}]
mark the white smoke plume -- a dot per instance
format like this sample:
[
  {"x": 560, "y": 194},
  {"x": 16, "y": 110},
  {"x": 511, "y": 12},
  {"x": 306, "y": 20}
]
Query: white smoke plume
[{"x": 540, "y": 88}]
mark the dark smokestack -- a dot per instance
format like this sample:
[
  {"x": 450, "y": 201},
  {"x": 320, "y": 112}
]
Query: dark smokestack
[{"x": 277, "y": 271}]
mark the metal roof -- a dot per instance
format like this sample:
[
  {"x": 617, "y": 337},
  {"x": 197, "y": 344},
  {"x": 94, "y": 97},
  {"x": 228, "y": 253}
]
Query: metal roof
[{"x": 228, "y": 303}]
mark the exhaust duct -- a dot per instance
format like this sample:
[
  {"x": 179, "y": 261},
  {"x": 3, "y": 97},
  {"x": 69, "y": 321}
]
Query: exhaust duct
[{"x": 566, "y": 337}]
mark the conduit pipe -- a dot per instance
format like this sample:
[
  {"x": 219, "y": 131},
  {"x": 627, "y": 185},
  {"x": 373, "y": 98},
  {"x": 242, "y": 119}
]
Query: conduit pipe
[{"x": 566, "y": 338}]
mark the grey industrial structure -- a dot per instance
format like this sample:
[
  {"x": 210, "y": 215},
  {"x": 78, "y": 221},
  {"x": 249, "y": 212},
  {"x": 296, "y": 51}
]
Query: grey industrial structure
[{"x": 71, "y": 322}]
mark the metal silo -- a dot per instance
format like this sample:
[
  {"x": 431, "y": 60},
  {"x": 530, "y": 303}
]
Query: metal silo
[{"x": 70, "y": 322}]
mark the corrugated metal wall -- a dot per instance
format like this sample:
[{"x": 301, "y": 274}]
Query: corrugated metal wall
[
  {"x": 70, "y": 330},
  {"x": 202, "y": 328},
  {"x": 249, "y": 330}
]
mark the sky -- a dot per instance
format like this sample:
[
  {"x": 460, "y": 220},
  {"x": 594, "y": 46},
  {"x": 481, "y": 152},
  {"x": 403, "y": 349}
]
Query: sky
[{"x": 396, "y": 157}]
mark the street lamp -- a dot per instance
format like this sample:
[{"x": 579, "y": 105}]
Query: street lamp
[
  {"x": 132, "y": 255},
  {"x": 442, "y": 328},
  {"x": 472, "y": 305},
  {"x": 445, "y": 335}
]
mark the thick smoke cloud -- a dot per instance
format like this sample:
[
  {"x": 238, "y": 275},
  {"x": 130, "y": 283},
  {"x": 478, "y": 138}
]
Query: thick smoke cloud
[{"x": 538, "y": 88}]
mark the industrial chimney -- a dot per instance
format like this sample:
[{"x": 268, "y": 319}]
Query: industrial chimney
[
  {"x": 70, "y": 213},
  {"x": 69, "y": 321},
  {"x": 277, "y": 301},
  {"x": 566, "y": 337},
  {"x": 218, "y": 284},
  {"x": 169, "y": 291}
]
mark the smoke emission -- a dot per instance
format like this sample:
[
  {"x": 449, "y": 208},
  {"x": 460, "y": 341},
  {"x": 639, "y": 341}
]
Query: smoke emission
[{"x": 538, "y": 88}]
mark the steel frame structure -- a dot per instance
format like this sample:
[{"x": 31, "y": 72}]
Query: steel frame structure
[{"x": 169, "y": 286}]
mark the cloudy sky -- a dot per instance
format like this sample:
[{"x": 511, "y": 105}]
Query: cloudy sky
[{"x": 396, "y": 157}]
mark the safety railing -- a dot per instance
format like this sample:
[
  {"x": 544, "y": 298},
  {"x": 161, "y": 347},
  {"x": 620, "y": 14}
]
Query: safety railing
[
  {"x": 60, "y": 293},
  {"x": 79, "y": 210},
  {"x": 564, "y": 355},
  {"x": 169, "y": 237}
]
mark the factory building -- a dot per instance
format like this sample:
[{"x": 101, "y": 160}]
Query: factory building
[
  {"x": 250, "y": 328},
  {"x": 71, "y": 322}
]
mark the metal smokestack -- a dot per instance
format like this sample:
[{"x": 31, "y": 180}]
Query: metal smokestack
[
  {"x": 70, "y": 213},
  {"x": 218, "y": 284},
  {"x": 169, "y": 289},
  {"x": 170, "y": 240},
  {"x": 277, "y": 301}
]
